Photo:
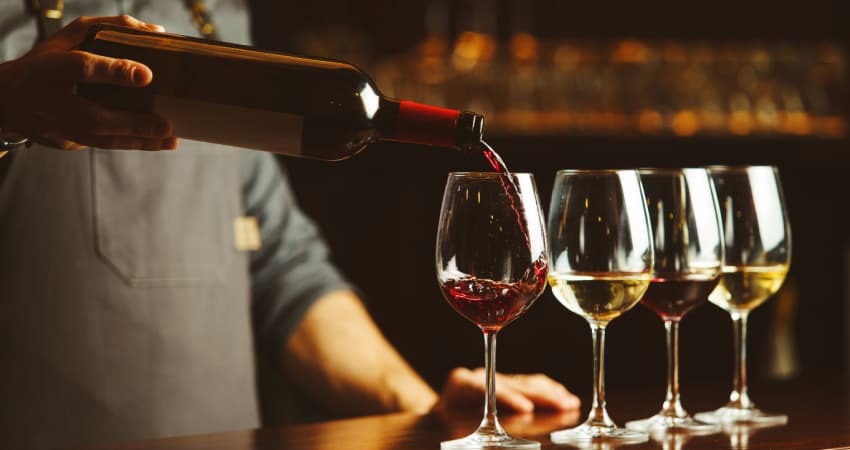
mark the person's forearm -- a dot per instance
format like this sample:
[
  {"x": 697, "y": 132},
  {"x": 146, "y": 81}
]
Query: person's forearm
[{"x": 338, "y": 355}]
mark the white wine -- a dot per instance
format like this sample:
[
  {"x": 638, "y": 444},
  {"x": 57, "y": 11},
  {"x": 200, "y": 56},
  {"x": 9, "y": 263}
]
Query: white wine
[
  {"x": 742, "y": 288},
  {"x": 599, "y": 296}
]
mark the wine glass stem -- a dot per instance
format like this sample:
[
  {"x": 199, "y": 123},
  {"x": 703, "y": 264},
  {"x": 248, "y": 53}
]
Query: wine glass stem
[
  {"x": 672, "y": 404},
  {"x": 739, "y": 398},
  {"x": 598, "y": 414},
  {"x": 490, "y": 423}
]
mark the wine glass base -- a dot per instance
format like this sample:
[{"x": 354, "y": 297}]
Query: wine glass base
[
  {"x": 752, "y": 415},
  {"x": 484, "y": 441},
  {"x": 682, "y": 424},
  {"x": 587, "y": 433}
]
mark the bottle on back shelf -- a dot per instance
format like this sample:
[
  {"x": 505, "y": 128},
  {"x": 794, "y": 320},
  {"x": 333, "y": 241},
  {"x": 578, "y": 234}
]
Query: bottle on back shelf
[{"x": 246, "y": 97}]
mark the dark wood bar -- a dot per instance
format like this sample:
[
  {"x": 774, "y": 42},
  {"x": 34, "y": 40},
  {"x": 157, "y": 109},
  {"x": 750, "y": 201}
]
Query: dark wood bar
[{"x": 818, "y": 419}]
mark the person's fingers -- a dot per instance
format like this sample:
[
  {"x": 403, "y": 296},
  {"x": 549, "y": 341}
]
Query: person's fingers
[
  {"x": 462, "y": 390},
  {"x": 77, "y": 29},
  {"x": 541, "y": 390},
  {"x": 108, "y": 142},
  {"x": 121, "y": 72},
  {"x": 78, "y": 66},
  {"x": 127, "y": 143},
  {"x": 54, "y": 142},
  {"x": 509, "y": 397},
  {"x": 462, "y": 385},
  {"x": 506, "y": 394},
  {"x": 519, "y": 393},
  {"x": 91, "y": 118},
  {"x": 70, "y": 68},
  {"x": 127, "y": 21},
  {"x": 81, "y": 121}
]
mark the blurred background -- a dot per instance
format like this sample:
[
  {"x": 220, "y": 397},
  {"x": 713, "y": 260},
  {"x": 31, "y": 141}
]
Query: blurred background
[{"x": 567, "y": 84}]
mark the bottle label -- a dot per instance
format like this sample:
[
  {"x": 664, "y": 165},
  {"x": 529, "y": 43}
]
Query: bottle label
[
  {"x": 426, "y": 124},
  {"x": 232, "y": 125}
]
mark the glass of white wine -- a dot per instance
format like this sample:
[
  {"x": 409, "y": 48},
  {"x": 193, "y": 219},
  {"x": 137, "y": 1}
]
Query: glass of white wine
[
  {"x": 601, "y": 265},
  {"x": 757, "y": 256}
]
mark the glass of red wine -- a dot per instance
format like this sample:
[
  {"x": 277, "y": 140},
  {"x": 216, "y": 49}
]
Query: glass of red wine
[
  {"x": 491, "y": 266},
  {"x": 688, "y": 247},
  {"x": 601, "y": 247}
]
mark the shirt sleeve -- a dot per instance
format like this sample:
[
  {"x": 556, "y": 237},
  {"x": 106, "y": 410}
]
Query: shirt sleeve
[{"x": 292, "y": 269}]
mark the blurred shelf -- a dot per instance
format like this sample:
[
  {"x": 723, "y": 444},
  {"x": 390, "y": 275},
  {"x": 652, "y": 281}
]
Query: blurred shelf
[{"x": 532, "y": 87}]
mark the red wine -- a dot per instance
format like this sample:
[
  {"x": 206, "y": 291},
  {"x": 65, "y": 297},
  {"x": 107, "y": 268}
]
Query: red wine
[
  {"x": 508, "y": 183},
  {"x": 295, "y": 105},
  {"x": 496, "y": 161},
  {"x": 671, "y": 296},
  {"x": 490, "y": 304}
]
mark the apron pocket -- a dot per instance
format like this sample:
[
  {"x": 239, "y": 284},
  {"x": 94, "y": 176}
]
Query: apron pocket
[{"x": 161, "y": 218}]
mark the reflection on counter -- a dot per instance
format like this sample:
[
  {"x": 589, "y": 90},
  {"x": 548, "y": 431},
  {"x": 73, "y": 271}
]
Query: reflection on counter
[
  {"x": 628, "y": 86},
  {"x": 740, "y": 434}
]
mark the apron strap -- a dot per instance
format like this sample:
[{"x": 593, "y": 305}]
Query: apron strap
[
  {"x": 202, "y": 18},
  {"x": 48, "y": 14}
]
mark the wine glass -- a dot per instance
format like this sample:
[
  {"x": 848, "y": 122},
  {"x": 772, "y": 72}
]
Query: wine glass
[
  {"x": 601, "y": 246},
  {"x": 491, "y": 267},
  {"x": 757, "y": 257},
  {"x": 688, "y": 249}
]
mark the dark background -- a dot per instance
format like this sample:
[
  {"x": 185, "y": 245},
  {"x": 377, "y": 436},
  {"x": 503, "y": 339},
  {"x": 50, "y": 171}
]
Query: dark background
[
  {"x": 379, "y": 211},
  {"x": 395, "y": 26}
]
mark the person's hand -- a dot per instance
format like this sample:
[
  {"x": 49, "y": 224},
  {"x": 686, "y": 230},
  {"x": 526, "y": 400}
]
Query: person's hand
[
  {"x": 520, "y": 393},
  {"x": 38, "y": 100}
]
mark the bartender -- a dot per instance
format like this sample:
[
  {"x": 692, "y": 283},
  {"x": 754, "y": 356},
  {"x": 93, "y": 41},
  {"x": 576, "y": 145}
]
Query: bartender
[{"x": 138, "y": 289}]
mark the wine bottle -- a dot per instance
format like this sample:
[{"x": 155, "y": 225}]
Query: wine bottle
[{"x": 242, "y": 96}]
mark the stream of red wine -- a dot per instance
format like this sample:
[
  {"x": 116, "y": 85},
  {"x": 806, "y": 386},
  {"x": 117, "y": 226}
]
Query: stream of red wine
[
  {"x": 491, "y": 304},
  {"x": 510, "y": 186}
]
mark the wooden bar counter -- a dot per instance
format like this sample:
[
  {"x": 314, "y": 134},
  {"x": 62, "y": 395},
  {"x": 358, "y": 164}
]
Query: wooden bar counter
[{"x": 818, "y": 419}]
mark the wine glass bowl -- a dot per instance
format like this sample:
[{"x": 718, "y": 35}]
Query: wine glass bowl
[
  {"x": 601, "y": 261},
  {"x": 491, "y": 253},
  {"x": 492, "y": 263},
  {"x": 489, "y": 304},
  {"x": 757, "y": 244},
  {"x": 688, "y": 248},
  {"x": 746, "y": 287}
]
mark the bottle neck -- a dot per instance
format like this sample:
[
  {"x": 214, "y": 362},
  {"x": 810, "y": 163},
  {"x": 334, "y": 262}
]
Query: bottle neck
[{"x": 418, "y": 123}]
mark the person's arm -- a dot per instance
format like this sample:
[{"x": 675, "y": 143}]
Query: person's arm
[
  {"x": 338, "y": 355},
  {"x": 342, "y": 359},
  {"x": 308, "y": 317},
  {"x": 37, "y": 97}
]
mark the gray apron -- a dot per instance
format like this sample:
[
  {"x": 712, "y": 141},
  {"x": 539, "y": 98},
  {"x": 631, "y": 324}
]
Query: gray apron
[{"x": 124, "y": 305}]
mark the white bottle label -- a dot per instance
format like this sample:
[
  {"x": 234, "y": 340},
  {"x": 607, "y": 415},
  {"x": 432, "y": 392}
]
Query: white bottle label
[{"x": 232, "y": 125}]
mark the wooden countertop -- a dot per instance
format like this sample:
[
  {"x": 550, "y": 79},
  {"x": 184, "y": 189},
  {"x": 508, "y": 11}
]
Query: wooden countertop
[{"x": 818, "y": 419}]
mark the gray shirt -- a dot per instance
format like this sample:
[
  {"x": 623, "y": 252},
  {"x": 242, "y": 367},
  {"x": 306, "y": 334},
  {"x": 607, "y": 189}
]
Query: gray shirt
[{"x": 126, "y": 309}]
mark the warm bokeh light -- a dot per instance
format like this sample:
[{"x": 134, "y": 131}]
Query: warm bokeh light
[{"x": 630, "y": 86}]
